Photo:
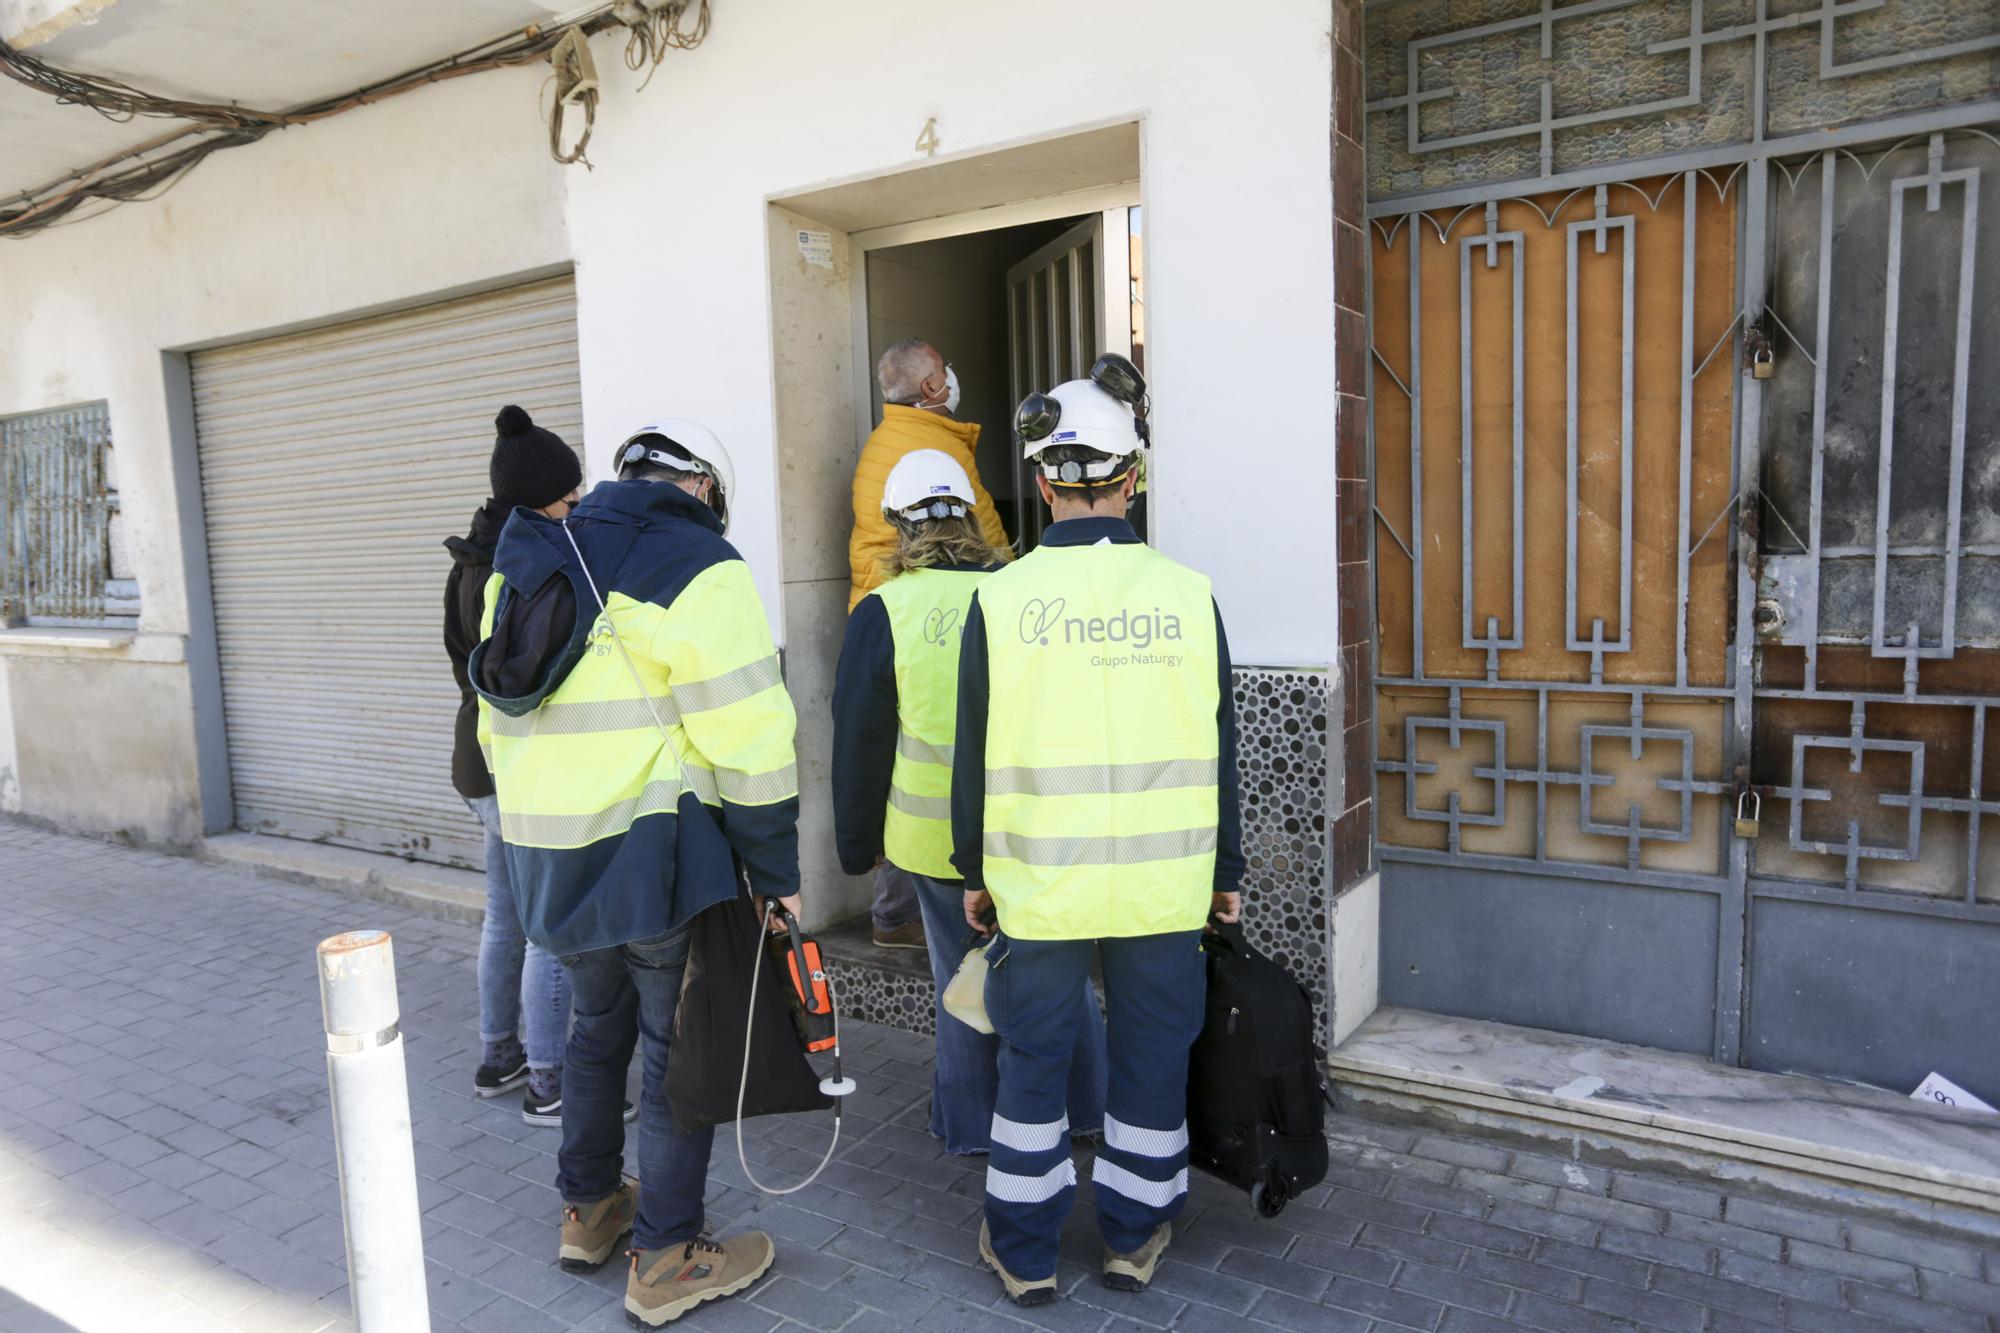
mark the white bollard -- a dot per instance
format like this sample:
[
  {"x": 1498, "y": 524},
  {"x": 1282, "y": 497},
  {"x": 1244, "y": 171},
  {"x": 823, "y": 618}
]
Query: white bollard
[{"x": 370, "y": 1093}]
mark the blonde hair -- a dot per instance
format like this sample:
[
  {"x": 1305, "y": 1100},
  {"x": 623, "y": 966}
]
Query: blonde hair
[{"x": 937, "y": 541}]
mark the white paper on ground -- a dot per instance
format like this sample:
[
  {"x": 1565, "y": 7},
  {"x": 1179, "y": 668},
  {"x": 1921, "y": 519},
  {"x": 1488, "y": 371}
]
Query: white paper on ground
[{"x": 1943, "y": 1092}]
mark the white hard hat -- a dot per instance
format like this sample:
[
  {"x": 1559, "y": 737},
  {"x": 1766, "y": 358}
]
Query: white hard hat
[
  {"x": 927, "y": 483},
  {"x": 684, "y": 446},
  {"x": 1084, "y": 414}
]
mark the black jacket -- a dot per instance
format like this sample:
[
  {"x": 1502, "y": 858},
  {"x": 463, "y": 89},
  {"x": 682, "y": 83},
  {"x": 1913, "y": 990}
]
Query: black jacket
[{"x": 464, "y": 605}]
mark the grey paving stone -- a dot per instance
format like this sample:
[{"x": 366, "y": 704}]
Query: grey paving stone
[
  {"x": 1545, "y": 1222},
  {"x": 1224, "y": 1291},
  {"x": 1592, "y": 1263},
  {"x": 1505, "y": 1188},
  {"x": 1909, "y": 1311},
  {"x": 1752, "y": 1302},
  {"x": 1822, "y": 1319},
  {"x": 1673, "y": 1195},
  {"x": 1556, "y": 1283},
  {"x": 507, "y": 1315},
  {"x": 1725, "y": 1236},
  {"x": 1965, "y": 1293},
  {"x": 1481, "y": 1235},
  {"x": 1442, "y": 1284},
  {"x": 1461, "y": 1152},
  {"x": 1728, "y": 1321},
  {"x": 1616, "y": 1212},
  {"x": 1297, "y": 1279},
  {"x": 1397, "y": 1307},
  {"x": 1410, "y": 1245},
  {"x": 1535, "y": 1311},
  {"x": 1289, "y": 1312},
  {"x": 1785, "y": 1220},
  {"x": 1914, "y": 1248},
  {"x": 1883, "y": 1272},
  {"x": 1458, "y": 1199},
  {"x": 1367, "y": 1265},
  {"x": 1560, "y": 1172},
  {"x": 1653, "y": 1309},
  {"x": 1660, "y": 1249},
  {"x": 1803, "y": 1283}
]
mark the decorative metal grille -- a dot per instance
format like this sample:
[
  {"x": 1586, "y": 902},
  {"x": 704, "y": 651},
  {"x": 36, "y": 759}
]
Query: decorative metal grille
[
  {"x": 55, "y": 516},
  {"x": 1472, "y": 92},
  {"x": 1779, "y": 591}
]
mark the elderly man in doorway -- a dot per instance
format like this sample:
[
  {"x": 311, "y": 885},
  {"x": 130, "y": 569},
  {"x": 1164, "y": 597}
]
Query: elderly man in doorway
[{"x": 919, "y": 399}]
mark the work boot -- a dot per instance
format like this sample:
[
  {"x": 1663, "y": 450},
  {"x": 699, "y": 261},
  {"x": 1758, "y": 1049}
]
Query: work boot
[
  {"x": 591, "y": 1231},
  {"x": 1134, "y": 1271},
  {"x": 668, "y": 1282},
  {"x": 1021, "y": 1291},
  {"x": 909, "y": 935}
]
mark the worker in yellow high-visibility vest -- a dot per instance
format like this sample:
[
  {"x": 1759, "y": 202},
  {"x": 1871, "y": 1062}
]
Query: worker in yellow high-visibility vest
[
  {"x": 895, "y": 708},
  {"x": 1094, "y": 808},
  {"x": 640, "y": 740}
]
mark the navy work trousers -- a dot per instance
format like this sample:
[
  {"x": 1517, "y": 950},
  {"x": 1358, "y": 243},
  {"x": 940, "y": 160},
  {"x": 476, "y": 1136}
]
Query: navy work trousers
[{"x": 1154, "y": 988}]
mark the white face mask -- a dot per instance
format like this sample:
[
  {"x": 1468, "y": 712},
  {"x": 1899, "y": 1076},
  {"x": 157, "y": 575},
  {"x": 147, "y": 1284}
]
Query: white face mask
[{"x": 950, "y": 403}]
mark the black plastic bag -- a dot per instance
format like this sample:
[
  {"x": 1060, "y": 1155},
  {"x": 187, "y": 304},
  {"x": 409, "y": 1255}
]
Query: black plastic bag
[{"x": 705, "y": 1066}]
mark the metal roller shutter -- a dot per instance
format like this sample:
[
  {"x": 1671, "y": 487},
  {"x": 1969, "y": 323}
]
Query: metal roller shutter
[{"x": 333, "y": 464}]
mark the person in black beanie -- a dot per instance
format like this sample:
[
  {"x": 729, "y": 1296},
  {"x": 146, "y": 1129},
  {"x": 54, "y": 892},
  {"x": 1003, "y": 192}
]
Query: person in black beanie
[{"x": 523, "y": 992}]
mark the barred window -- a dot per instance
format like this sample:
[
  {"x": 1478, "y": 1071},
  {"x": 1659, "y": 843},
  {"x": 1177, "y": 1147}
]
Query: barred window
[{"x": 62, "y": 549}]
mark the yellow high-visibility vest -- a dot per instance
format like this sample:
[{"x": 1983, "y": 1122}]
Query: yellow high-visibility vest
[
  {"x": 591, "y": 759},
  {"x": 1102, "y": 746},
  {"x": 926, "y": 615}
]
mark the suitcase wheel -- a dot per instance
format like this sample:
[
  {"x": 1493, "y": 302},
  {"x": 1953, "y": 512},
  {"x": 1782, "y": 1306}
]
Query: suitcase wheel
[{"x": 1267, "y": 1200}]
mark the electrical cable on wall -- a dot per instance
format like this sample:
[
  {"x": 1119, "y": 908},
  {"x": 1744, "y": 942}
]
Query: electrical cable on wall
[{"x": 148, "y": 169}]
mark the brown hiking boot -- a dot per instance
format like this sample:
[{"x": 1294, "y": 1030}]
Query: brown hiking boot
[
  {"x": 1021, "y": 1291},
  {"x": 666, "y": 1283},
  {"x": 1134, "y": 1271},
  {"x": 591, "y": 1231},
  {"x": 909, "y": 935}
]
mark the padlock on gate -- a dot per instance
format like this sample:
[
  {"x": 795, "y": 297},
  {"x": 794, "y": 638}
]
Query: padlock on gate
[
  {"x": 1761, "y": 365},
  {"x": 1749, "y": 809}
]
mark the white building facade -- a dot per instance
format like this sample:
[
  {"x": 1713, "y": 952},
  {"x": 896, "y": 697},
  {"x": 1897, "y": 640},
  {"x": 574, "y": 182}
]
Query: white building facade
[{"x": 300, "y": 347}]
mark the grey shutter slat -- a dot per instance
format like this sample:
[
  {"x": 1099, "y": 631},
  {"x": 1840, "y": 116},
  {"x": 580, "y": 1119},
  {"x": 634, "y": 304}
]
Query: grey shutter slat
[{"x": 334, "y": 463}]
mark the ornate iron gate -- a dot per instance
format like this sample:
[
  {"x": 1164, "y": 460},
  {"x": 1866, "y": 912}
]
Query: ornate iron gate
[{"x": 1687, "y": 547}]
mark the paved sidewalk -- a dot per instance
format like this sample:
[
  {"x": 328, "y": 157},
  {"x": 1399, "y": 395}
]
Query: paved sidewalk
[{"x": 166, "y": 1162}]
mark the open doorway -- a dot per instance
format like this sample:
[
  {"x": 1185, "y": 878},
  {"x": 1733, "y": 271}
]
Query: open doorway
[{"x": 1014, "y": 309}]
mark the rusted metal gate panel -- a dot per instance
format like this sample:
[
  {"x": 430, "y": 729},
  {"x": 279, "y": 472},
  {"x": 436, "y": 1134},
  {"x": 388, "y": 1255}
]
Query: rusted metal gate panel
[{"x": 1687, "y": 556}]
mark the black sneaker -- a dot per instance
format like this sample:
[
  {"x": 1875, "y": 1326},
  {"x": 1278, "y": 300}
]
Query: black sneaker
[
  {"x": 548, "y": 1111},
  {"x": 492, "y": 1080}
]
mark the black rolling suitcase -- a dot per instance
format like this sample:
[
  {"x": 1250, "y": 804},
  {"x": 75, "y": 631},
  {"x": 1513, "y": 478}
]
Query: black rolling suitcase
[{"x": 1256, "y": 1078}]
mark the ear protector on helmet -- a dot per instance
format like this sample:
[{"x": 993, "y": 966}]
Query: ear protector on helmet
[{"x": 1039, "y": 413}]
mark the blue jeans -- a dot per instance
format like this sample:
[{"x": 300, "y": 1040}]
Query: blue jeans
[
  {"x": 895, "y": 897},
  {"x": 517, "y": 979},
  {"x": 966, "y": 1077},
  {"x": 622, "y": 994},
  {"x": 1154, "y": 989}
]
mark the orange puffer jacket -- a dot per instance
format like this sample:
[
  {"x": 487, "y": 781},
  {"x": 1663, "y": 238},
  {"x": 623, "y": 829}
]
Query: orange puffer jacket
[{"x": 904, "y": 429}]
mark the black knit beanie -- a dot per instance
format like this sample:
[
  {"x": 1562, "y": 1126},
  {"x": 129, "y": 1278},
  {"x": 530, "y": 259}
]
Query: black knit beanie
[{"x": 531, "y": 466}]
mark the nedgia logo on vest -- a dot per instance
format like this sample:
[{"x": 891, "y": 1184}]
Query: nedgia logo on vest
[{"x": 1043, "y": 620}]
